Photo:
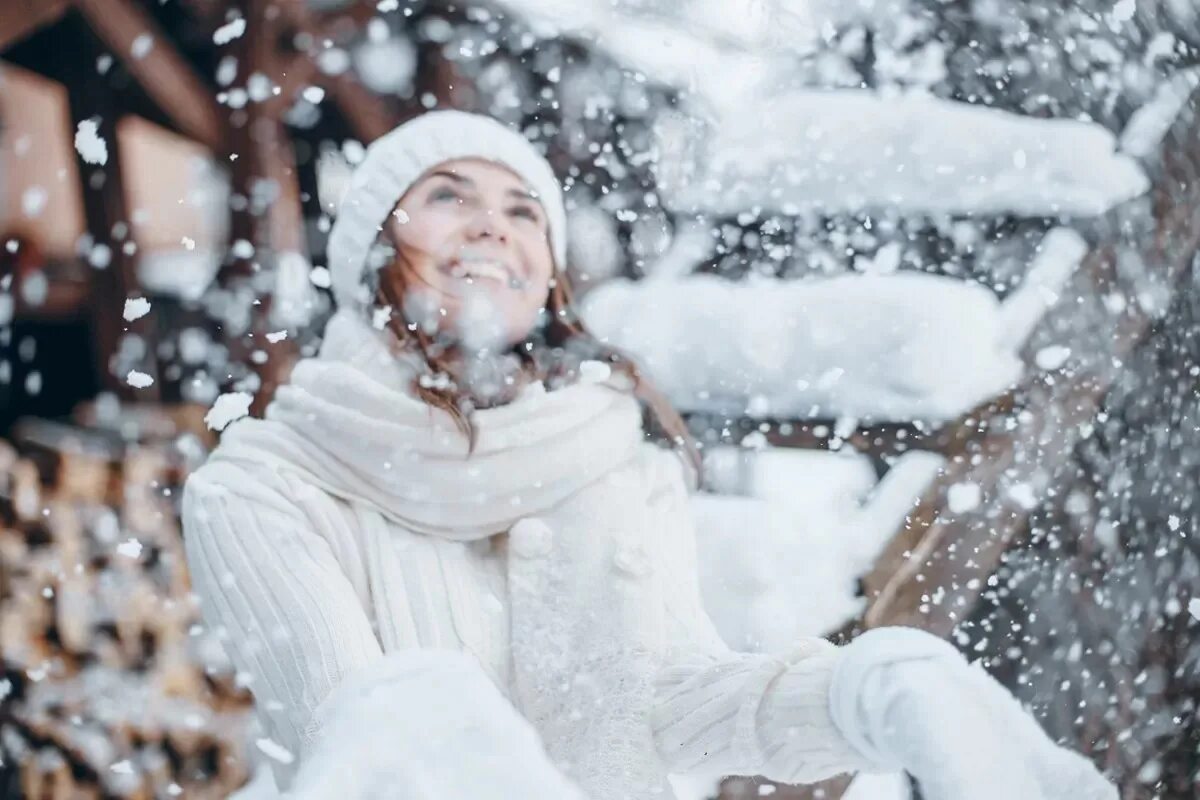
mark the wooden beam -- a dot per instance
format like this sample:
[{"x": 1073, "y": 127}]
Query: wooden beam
[
  {"x": 932, "y": 574},
  {"x": 21, "y": 18},
  {"x": 368, "y": 114},
  {"x": 264, "y": 172},
  {"x": 752, "y": 789},
  {"x": 162, "y": 72},
  {"x": 112, "y": 279},
  {"x": 347, "y": 18}
]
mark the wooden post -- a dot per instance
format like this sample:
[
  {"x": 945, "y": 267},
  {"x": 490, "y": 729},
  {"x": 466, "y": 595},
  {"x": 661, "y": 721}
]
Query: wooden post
[
  {"x": 112, "y": 271},
  {"x": 266, "y": 188}
]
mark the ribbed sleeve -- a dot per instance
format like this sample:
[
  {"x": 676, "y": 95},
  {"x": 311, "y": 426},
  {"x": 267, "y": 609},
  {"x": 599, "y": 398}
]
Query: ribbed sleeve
[
  {"x": 272, "y": 590},
  {"x": 726, "y": 713}
]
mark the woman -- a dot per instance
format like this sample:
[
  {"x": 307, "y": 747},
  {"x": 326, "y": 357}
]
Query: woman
[{"x": 463, "y": 468}]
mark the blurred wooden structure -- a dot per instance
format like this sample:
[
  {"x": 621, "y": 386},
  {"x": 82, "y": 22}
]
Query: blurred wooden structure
[
  {"x": 935, "y": 569},
  {"x": 105, "y": 690}
]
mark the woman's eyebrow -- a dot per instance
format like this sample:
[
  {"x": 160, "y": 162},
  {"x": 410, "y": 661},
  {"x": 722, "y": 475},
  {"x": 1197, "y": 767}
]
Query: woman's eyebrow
[
  {"x": 522, "y": 194},
  {"x": 460, "y": 179}
]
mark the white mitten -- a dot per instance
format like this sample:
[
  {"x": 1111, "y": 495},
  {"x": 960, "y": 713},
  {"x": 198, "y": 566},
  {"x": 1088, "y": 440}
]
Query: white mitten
[
  {"x": 908, "y": 700},
  {"x": 425, "y": 724}
]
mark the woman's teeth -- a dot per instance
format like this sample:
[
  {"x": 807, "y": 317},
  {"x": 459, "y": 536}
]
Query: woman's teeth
[{"x": 485, "y": 270}]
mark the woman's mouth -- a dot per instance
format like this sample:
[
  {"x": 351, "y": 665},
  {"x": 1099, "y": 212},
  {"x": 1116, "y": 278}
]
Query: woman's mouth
[{"x": 483, "y": 269}]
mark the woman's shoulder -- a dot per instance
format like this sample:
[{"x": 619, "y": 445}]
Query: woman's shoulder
[
  {"x": 654, "y": 473},
  {"x": 665, "y": 468},
  {"x": 221, "y": 481}
]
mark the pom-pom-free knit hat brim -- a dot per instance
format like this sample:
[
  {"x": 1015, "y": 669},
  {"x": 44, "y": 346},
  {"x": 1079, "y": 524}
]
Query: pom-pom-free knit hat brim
[{"x": 395, "y": 161}]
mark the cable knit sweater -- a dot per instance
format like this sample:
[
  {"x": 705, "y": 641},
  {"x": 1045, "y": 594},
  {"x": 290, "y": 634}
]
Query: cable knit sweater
[
  {"x": 305, "y": 586},
  {"x": 304, "y": 589}
]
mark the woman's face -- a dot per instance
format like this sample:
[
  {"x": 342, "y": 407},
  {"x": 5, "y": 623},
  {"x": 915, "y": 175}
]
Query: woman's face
[{"x": 475, "y": 251}]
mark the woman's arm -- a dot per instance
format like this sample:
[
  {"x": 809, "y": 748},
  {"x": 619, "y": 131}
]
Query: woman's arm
[
  {"x": 895, "y": 698},
  {"x": 274, "y": 593},
  {"x": 719, "y": 712},
  {"x": 725, "y": 713}
]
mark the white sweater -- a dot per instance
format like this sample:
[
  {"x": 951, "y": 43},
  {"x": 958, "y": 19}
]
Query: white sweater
[
  {"x": 560, "y": 553},
  {"x": 304, "y": 588}
]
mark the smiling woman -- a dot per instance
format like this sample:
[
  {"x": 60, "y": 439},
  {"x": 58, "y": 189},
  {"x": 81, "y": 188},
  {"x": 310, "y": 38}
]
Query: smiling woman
[{"x": 553, "y": 546}]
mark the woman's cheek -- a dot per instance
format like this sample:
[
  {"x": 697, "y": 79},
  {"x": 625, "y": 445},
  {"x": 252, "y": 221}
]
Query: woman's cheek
[{"x": 522, "y": 318}]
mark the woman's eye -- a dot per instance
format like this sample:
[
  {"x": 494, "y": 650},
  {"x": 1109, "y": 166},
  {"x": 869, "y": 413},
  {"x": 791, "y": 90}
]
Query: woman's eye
[
  {"x": 445, "y": 194},
  {"x": 524, "y": 211}
]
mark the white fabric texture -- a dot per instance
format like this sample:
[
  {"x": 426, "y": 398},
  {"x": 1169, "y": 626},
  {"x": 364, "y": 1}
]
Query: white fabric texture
[
  {"x": 350, "y": 523},
  {"x": 366, "y": 756},
  {"x": 396, "y": 160},
  {"x": 907, "y": 699}
]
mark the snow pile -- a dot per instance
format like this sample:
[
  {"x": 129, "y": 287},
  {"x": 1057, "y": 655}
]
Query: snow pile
[
  {"x": 1145, "y": 130},
  {"x": 783, "y": 560},
  {"x": 426, "y": 724},
  {"x": 883, "y": 347},
  {"x": 846, "y": 151}
]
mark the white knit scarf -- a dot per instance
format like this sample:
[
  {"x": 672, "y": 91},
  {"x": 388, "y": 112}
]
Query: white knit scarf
[{"x": 349, "y": 423}]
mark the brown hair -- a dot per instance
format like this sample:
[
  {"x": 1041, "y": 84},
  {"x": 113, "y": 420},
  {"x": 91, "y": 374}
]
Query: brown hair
[{"x": 552, "y": 354}]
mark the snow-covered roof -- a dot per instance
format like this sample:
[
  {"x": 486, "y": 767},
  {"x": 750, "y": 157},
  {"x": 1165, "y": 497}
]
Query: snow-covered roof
[{"x": 747, "y": 136}]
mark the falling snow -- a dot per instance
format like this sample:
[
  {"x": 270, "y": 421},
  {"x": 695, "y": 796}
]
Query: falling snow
[
  {"x": 906, "y": 267},
  {"x": 228, "y": 408},
  {"x": 136, "y": 308},
  {"x": 139, "y": 380},
  {"x": 88, "y": 143},
  {"x": 229, "y": 31}
]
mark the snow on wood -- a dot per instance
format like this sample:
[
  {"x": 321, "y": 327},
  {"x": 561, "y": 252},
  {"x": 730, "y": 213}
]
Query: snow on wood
[
  {"x": 920, "y": 154},
  {"x": 1144, "y": 132},
  {"x": 881, "y": 347},
  {"x": 832, "y": 150},
  {"x": 1059, "y": 255}
]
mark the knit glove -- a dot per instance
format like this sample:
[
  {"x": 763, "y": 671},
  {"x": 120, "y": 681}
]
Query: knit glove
[{"x": 908, "y": 700}]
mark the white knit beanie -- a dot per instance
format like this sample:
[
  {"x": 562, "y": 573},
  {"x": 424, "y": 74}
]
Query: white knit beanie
[{"x": 396, "y": 160}]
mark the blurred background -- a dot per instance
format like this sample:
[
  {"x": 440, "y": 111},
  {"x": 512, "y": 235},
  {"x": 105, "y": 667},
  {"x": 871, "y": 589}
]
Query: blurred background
[{"x": 921, "y": 275}]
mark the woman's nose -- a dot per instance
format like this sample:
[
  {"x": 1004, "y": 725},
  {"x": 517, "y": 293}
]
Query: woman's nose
[{"x": 485, "y": 225}]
